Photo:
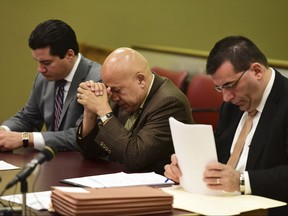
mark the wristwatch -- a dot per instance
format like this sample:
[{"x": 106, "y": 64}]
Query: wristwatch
[
  {"x": 104, "y": 118},
  {"x": 25, "y": 139},
  {"x": 242, "y": 183}
]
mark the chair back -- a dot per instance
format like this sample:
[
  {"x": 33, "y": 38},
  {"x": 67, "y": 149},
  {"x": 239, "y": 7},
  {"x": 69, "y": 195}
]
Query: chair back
[
  {"x": 204, "y": 100},
  {"x": 177, "y": 77}
]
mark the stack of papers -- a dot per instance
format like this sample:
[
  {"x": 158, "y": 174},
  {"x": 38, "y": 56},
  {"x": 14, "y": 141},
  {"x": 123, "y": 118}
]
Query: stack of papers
[
  {"x": 6, "y": 166},
  {"x": 227, "y": 204},
  {"x": 195, "y": 147},
  {"x": 120, "y": 179},
  {"x": 126, "y": 201},
  {"x": 37, "y": 200}
]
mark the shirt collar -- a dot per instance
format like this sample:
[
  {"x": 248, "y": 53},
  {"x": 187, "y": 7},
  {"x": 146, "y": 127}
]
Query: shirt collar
[
  {"x": 70, "y": 76},
  {"x": 153, "y": 77},
  {"x": 267, "y": 91}
]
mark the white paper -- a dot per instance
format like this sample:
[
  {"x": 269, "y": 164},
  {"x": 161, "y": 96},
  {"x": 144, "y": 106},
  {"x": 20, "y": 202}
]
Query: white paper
[
  {"x": 37, "y": 200},
  {"x": 71, "y": 189},
  {"x": 119, "y": 179},
  {"x": 219, "y": 205},
  {"x": 195, "y": 147},
  {"x": 6, "y": 166}
]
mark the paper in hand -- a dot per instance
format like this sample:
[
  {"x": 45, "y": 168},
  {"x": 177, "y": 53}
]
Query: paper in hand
[{"x": 195, "y": 147}]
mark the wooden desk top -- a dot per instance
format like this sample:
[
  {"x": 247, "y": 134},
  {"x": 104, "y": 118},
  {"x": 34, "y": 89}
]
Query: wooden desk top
[{"x": 64, "y": 165}]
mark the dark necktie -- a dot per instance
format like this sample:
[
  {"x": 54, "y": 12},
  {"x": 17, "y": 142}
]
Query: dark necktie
[
  {"x": 234, "y": 158},
  {"x": 132, "y": 119},
  {"x": 58, "y": 103}
]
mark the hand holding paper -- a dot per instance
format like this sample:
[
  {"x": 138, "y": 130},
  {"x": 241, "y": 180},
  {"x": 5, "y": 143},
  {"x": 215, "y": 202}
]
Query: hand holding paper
[{"x": 195, "y": 148}]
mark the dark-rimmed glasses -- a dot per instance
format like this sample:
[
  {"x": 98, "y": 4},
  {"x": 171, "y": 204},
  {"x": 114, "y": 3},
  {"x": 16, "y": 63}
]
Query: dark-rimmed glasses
[{"x": 229, "y": 86}]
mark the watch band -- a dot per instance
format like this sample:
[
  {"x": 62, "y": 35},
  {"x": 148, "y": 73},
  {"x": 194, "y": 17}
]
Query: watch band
[
  {"x": 242, "y": 183},
  {"x": 25, "y": 139},
  {"x": 104, "y": 118}
]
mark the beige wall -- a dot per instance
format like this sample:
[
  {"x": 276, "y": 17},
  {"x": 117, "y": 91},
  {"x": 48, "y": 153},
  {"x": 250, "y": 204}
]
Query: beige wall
[{"x": 193, "y": 24}]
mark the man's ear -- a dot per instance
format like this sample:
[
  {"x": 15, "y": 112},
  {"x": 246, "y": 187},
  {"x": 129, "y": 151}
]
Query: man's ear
[
  {"x": 140, "y": 79},
  {"x": 70, "y": 54},
  {"x": 257, "y": 69}
]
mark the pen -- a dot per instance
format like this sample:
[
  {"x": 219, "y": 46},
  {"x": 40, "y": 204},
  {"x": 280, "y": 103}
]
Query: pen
[{"x": 167, "y": 179}]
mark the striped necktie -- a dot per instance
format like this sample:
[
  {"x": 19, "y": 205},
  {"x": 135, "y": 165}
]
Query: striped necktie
[
  {"x": 234, "y": 158},
  {"x": 58, "y": 103}
]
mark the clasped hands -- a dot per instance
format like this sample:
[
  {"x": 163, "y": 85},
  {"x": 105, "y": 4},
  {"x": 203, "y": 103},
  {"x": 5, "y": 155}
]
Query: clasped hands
[
  {"x": 217, "y": 176},
  {"x": 94, "y": 97}
]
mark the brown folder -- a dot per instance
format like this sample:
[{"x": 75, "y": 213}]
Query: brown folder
[{"x": 140, "y": 200}]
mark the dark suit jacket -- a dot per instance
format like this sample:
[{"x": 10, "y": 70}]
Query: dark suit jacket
[
  {"x": 267, "y": 162},
  {"x": 148, "y": 146},
  {"x": 39, "y": 109}
]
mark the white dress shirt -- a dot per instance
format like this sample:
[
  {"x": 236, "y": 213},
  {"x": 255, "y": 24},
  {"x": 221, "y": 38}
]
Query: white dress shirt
[
  {"x": 244, "y": 156},
  {"x": 39, "y": 141}
]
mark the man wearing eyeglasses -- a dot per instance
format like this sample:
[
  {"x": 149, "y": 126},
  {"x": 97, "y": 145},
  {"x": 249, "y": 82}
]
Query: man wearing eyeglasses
[{"x": 260, "y": 167}]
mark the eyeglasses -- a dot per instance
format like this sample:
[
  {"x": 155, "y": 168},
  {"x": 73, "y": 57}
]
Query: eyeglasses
[{"x": 230, "y": 85}]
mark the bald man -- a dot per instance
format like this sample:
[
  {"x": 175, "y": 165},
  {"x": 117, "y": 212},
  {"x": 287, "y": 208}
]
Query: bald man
[{"x": 126, "y": 117}]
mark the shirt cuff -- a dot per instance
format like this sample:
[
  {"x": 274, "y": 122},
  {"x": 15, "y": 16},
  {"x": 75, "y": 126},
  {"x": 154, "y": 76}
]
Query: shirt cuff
[
  {"x": 5, "y": 127},
  {"x": 247, "y": 183},
  {"x": 39, "y": 142}
]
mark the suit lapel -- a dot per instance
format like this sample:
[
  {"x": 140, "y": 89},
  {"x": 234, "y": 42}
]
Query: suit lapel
[
  {"x": 259, "y": 139},
  {"x": 262, "y": 131},
  {"x": 79, "y": 76},
  {"x": 156, "y": 85}
]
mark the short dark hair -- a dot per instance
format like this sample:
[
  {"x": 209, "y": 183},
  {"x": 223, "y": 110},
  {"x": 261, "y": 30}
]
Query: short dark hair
[
  {"x": 57, "y": 35},
  {"x": 238, "y": 50}
]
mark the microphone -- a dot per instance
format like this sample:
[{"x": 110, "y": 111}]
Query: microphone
[{"x": 45, "y": 155}]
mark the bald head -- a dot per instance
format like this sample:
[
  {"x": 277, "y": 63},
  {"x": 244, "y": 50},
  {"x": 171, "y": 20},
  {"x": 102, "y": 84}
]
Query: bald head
[
  {"x": 128, "y": 77},
  {"x": 125, "y": 62}
]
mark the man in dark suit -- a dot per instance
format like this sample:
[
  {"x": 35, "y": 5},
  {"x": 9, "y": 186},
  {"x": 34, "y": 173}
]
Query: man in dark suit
[
  {"x": 54, "y": 46},
  {"x": 133, "y": 128},
  {"x": 241, "y": 72}
]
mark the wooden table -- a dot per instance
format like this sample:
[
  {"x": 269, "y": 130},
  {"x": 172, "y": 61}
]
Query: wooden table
[{"x": 64, "y": 165}]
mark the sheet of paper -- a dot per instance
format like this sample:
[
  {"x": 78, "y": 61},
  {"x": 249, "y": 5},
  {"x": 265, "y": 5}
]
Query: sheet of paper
[
  {"x": 195, "y": 147},
  {"x": 219, "y": 205},
  {"x": 71, "y": 189},
  {"x": 37, "y": 200},
  {"x": 119, "y": 179},
  {"x": 6, "y": 166}
]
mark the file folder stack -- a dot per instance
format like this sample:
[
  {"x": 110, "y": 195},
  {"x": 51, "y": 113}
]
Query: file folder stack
[{"x": 141, "y": 200}]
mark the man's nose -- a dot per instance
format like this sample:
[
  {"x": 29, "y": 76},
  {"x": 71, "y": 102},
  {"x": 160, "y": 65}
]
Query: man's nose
[
  {"x": 227, "y": 95},
  {"x": 41, "y": 68},
  {"x": 114, "y": 97}
]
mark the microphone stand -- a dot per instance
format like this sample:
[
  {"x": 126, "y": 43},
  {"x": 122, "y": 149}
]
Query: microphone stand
[
  {"x": 24, "y": 189},
  {"x": 45, "y": 155}
]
